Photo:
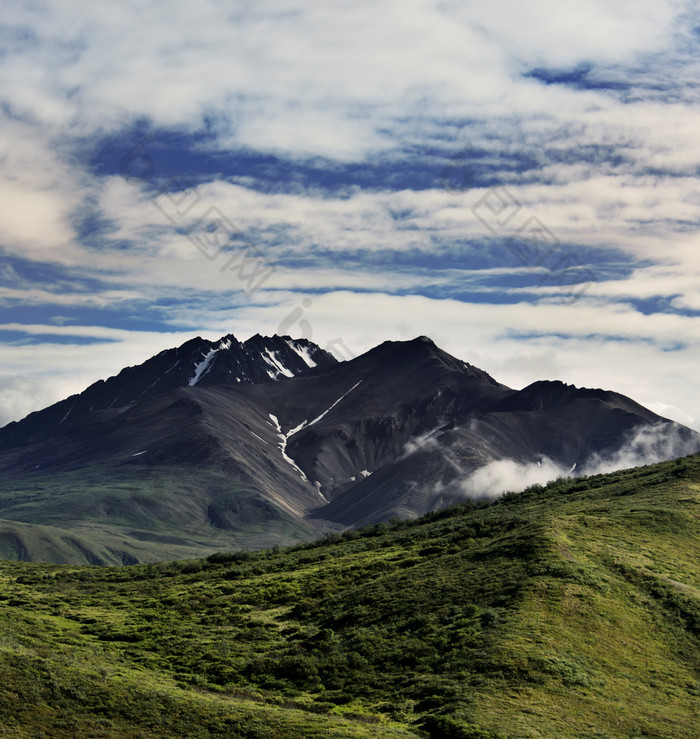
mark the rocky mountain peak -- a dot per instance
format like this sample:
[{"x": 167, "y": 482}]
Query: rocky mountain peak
[{"x": 200, "y": 362}]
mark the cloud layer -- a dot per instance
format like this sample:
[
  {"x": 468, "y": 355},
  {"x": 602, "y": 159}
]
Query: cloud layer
[
  {"x": 516, "y": 180},
  {"x": 647, "y": 444}
]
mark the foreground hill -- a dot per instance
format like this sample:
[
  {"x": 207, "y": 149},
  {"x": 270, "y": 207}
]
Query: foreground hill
[
  {"x": 229, "y": 458},
  {"x": 568, "y": 611}
]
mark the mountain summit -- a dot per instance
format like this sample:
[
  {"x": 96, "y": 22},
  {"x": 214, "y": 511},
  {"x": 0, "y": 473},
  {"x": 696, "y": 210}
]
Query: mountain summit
[
  {"x": 198, "y": 362},
  {"x": 220, "y": 444}
]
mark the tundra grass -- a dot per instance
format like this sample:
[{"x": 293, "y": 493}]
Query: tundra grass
[
  {"x": 566, "y": 611},
  {"x": 110, "y": 516}
]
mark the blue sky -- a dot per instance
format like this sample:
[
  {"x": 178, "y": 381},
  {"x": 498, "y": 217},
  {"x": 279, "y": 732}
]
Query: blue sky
[{"x": 517, "y": 180}]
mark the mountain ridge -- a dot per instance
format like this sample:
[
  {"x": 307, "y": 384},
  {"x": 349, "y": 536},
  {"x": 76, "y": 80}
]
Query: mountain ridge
[
  {"x": 399, "y": 431},
  {"x": 198, "y": 361}
]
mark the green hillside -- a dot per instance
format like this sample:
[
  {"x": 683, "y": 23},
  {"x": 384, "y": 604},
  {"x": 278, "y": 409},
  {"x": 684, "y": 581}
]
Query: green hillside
[
  {"x": 570, "y": 611},
  {"x": 112, "y": 515}
]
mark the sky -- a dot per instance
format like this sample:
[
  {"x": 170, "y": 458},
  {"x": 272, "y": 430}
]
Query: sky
[{"x": 516, "y": 179}]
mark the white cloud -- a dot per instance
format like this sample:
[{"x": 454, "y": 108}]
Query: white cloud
[
  {"x": 507, "y": 475},
  {"x": 590, "y": 345},
  {"x": 566, "y": 32},
  {"x": 646, "y": 445},
  {"x": 353, "y": 82},
  {"x": 20, "y": 396},
  {"x": 35, "y": 375}
]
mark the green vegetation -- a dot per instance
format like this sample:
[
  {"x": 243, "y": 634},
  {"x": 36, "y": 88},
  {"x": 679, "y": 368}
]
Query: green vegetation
[
  {"x": 566, "y": 611},
  {"x": 112, "y": 516}
]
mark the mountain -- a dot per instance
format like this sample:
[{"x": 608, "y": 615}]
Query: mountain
[
  {"x": 569, "y": 611},
  {"x": 198, "y": 362},
  {"x": 397, "y": 432}
]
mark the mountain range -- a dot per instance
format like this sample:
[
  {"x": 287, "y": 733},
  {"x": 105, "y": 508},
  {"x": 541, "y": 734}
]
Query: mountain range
[{"x": 226, "y": 444}]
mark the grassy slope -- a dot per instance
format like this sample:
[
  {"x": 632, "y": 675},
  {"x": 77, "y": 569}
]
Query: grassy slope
[
  {"x": 107, "y": 516},
  {"x": 573, "y": 611}
]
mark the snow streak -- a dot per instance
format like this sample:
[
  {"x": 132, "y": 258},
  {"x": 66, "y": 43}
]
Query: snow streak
[
  {"x": 283, "y": 446},
  {"x": 303, "y": 352},
  {"x": 271, "y": 358},
  {"x": 316, "y": 420}
]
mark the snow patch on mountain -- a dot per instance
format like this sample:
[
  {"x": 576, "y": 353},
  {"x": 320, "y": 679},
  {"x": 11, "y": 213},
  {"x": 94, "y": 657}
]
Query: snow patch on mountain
[
  {"x": 303, "y": 352},
  {"x": 283, "y": 446},
  {"x": 201, "y": 367},
  {"x": 271, "y": 358},
  {"x": 67, "y": 414},
  {"x": 318, "y": 418},
  {"x": 296, "y": 429},
  {"x": 318, "y": 487}
]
